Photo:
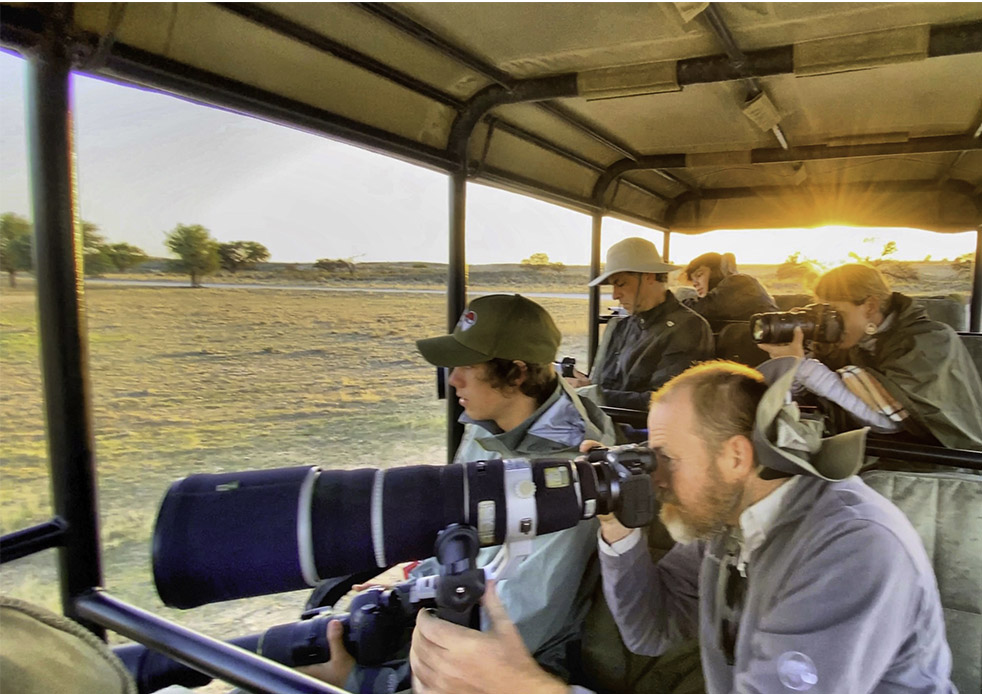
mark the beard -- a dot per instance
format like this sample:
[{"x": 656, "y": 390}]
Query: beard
[{"x": 706, "y": 516}]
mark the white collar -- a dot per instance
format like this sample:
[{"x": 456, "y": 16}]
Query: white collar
[{"x": 757, "y": 520}]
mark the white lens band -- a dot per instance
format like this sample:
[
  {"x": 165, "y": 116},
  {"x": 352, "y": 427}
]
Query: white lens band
[
  {"x": 522, "y": 519},
  {"x": 378, "y": 533},
  {"x": 305, "y": 535}
]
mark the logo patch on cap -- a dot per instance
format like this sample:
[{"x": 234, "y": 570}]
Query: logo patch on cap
[{"x": 467, "y": 320}]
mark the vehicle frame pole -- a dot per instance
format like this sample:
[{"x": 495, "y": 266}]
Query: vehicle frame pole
[
  {"x": 61, "y": 314},
  {"x": 456, "y": 292},
  {"x": 594, "y": 309},
  {"x": 975, "y": 308}
]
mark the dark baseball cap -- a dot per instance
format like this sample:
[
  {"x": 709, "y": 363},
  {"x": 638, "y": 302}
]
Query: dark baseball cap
[{"x": 497, "y": 326}]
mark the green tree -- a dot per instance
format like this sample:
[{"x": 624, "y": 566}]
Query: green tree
[
  {"x": 540, "y": 261},
  {"x": 95, "y": 258},
  {"x": 241, "y": 255},
  {"x": 123, "y": 256},
  {"x": 196, "y": 249},
  {"x": 537, "y": 260},
  {"x": 15, "y": 245}
]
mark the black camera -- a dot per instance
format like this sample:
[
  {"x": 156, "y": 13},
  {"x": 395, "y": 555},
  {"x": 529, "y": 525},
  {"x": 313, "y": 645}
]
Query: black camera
[
  {"x": 377, "y": 629},
  {"x": 623, "y": 483},
  {"x": 566, "y": 367},
  {"x": 818, "y": 322}
]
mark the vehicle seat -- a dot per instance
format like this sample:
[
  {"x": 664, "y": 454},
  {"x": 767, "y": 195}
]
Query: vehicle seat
[
  {"x": 786, "y": 302},
  {"x": 43, "y": 652},
  {"x": 734, "y": 342},
  {"x": 973, "y": 343},
  {"x": 946, "y": 510},
  {"x": 944, "y": 310}
]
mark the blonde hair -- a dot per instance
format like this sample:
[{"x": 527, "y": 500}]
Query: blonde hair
[
  {"x": 724, "y": 395},
  {"x": 854, "y": 283}
]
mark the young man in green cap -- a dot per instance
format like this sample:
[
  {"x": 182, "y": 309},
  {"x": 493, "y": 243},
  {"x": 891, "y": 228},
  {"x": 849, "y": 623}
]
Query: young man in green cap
[
  {"x": 515, "y": 405},
  {"x": 795, "y": 574},
  {"x": 660, "y": 338}
]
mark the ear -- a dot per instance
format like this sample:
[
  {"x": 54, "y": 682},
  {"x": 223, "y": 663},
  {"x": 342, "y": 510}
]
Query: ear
[
  {"x": 871, "y": 307},
  {"x": 523, "y": 370},
  {"x": 736, "y": 458}
]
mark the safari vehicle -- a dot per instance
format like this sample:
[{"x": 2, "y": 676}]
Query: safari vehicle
[{"x": 680, "y": 117}]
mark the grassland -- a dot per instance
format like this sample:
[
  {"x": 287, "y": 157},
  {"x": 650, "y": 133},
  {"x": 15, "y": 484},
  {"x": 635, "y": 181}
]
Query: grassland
[
  {"x": 187, "y": 381},
  {"x": 233, "y": 378}
]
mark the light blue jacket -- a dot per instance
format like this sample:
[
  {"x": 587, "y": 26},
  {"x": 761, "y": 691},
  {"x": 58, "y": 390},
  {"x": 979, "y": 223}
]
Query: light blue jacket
[{"x": 550, "y": 594}]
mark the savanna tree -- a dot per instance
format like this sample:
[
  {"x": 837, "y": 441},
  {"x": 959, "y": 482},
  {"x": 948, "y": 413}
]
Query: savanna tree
[
  {"x": 540, "y": 261},
  {"x": 15, "y": 245},
  {"x": 123, "y": 256},
  {"x": 95, "y": 259},
  {"x": 241, "y": 255},
  {"x": 196, "y": 250}
]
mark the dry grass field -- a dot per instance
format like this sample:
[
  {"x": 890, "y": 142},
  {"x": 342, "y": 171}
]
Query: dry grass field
[
  {"x": 238, "y": 377},
  {"x": 208, "y": 380}
]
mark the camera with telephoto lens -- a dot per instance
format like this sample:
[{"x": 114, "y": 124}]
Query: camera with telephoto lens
[
  {"x": 242, "y": 534},
  {"x": 818, "y": 322}
]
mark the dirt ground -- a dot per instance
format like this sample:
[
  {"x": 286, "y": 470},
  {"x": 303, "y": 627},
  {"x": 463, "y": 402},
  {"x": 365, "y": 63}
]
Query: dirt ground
[{"x": 186, "y": 381}]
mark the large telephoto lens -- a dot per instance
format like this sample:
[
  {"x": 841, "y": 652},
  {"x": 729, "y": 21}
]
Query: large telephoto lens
[{"x": 235, "y": 535}]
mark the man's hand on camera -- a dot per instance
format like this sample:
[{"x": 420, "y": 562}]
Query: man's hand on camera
[
  {"x": 450, "y": 659},
  {"x": 611, "y": 529},
  {"x": 336, "y": 670},
  {"x": 795, "y": 348}
]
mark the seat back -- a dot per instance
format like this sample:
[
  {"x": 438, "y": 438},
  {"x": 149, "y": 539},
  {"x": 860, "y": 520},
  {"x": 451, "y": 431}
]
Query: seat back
[
  {"x": 973, "y": 343},
  {"x": 788, "y": 301},
  {"x": 734, "y": 342},
  {"x": 945, "y": 509},
  {"x": 944, "y": 310}
]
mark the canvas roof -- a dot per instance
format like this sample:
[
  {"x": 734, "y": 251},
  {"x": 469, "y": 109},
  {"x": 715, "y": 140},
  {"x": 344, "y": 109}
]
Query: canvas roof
[{"x": 633, "y": 109}]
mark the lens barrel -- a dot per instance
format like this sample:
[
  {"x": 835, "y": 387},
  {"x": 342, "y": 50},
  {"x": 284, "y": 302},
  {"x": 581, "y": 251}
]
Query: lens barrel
[{"x": 225, "y": 536}]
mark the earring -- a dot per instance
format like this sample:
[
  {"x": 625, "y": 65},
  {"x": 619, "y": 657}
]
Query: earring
[{"x": 870, "y": 328}]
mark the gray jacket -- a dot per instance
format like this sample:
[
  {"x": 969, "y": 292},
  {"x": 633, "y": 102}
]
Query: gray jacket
[{"x": 841, "y": 597}]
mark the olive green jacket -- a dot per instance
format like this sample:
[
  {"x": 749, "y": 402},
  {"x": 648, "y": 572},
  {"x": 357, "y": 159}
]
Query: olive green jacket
[{"x": 925, "y": 366}]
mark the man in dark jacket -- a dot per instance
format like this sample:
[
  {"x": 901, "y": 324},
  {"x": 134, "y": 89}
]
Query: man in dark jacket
[{"x": 660, "y": 338}]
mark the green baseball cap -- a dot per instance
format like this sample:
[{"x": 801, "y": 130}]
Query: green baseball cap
[{"x": 497, "y": 326}]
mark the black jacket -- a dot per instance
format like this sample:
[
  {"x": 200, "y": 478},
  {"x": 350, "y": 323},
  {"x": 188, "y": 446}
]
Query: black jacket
[
  {"x": 644, "y": 351},
  {"x": 734, "y": 298}
]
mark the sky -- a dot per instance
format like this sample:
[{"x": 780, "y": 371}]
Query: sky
[{"x": 147, "y": 162}]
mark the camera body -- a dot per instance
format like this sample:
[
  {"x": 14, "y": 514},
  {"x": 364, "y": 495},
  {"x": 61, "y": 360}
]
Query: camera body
[
  {"x": 566, "y": 367},
  {"x": 818, "y": 322},
  {"x": 376, "y": 626},
  {"x": 624, "y": 483}
]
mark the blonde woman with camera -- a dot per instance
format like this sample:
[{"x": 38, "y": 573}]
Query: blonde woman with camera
[{"x": 893, "y": 368}]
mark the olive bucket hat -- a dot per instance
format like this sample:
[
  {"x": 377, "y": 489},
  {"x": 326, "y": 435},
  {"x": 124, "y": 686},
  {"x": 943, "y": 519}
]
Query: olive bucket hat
[
  {"x": 497, "y": 326},
  {"x": 632, "y": 255},
  {"x": 787, "y": 442}
]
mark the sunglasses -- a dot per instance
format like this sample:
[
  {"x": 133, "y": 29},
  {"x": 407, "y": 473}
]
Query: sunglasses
[{"x": 731, "y": 591}]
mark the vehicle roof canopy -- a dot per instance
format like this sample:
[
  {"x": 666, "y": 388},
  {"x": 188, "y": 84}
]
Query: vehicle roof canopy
[{"x": 641, "y": 110}]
